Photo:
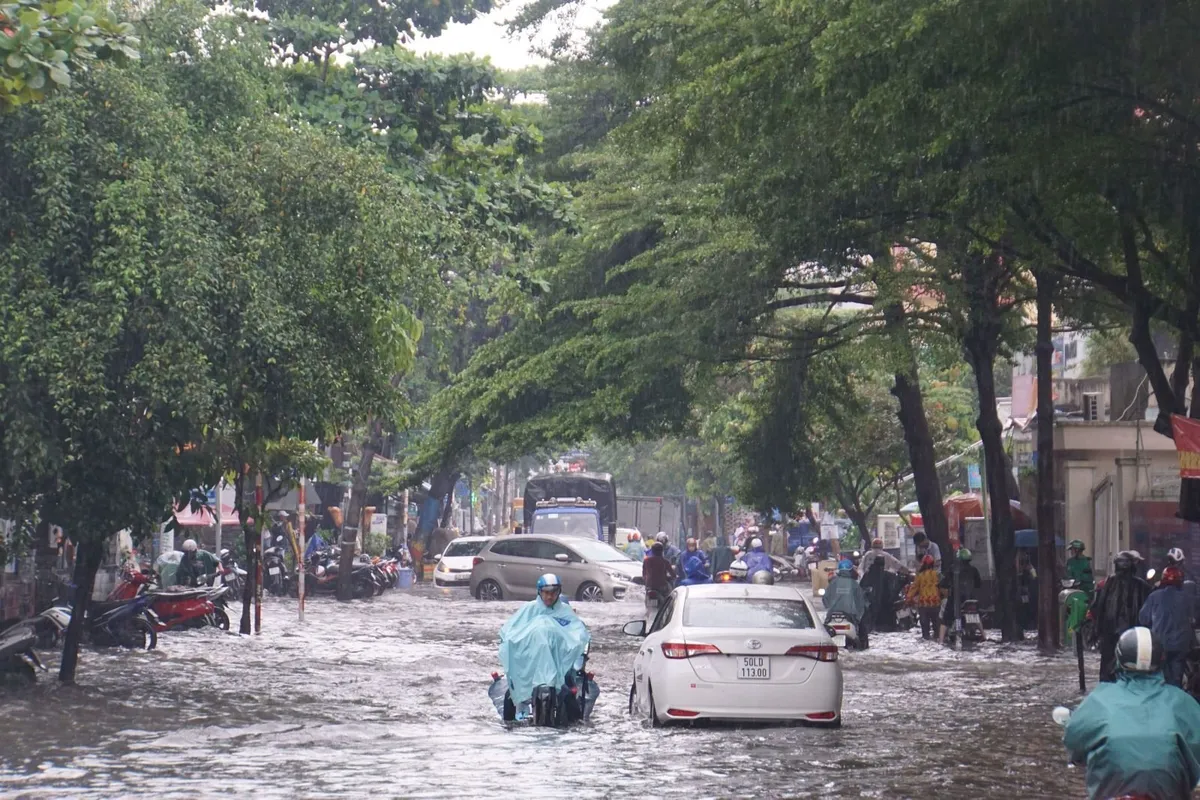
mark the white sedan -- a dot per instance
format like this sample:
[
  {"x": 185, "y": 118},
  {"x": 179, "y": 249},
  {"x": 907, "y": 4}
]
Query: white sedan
[
  {"x": 457, "y": 560},
  {"x": 743, "y": 652}
]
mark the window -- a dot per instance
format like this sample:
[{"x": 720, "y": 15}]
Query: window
[
  {"x": 745, "y": 612},
  {"x": 664, "y": 615},
  {"x": 520, "y": 548},
  {"x": 598, "y": 552},
  {"x": 549, "y": 551},
  {"x": 458, "y": 549}
]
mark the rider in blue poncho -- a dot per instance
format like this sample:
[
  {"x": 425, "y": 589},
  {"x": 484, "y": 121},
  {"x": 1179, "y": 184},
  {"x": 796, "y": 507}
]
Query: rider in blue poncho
[
  {"x": 693, "y": 563},
  {"x": 541, "y": 642},
  {"x": 756, "y": 560},
  {"x": 1137, "y": 735}
]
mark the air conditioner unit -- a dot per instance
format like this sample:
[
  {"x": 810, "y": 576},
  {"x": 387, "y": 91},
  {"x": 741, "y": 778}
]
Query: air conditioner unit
[{"x": 1091, "y": 407}]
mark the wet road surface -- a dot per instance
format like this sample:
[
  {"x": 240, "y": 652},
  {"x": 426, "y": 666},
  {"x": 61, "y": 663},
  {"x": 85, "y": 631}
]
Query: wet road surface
[{"x": 387, "y": 698}]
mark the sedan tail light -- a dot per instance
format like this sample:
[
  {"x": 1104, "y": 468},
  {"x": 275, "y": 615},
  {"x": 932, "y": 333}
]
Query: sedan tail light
[
  {"x": 820, "y": 652},
  {"x": 688, "y": 649},
  {"x": 476, "y": 561}
]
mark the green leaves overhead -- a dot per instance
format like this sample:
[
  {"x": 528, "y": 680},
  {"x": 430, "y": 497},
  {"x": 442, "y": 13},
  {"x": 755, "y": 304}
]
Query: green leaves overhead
[{"x": 43, "y": 43}]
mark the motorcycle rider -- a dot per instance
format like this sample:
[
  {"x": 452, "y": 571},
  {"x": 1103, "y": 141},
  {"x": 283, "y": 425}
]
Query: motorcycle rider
[
  {"x": 757, "y": 559},
  {"x": 196, "y": 566},
  {"x": 960, "y": 583},
  {"x": 670, "y": 551},
  {"x": 693, "y": 565},
  {"x": 1168, "y": 613},
  {"x": 1116, "y": 607},
  {"x": 890, "y": 562},
  {"x": 925, "y": 547},
  {"x": 1028, "y": 589},
  {"x": 658, "y": 576},
  {"x": 1138, "y": 735},
  {"x": 844, "y": 594},
  {"x": 722, "y": 556},
  {"x": 1079, "y": 567},
  {"x": 926, "y": 594}
]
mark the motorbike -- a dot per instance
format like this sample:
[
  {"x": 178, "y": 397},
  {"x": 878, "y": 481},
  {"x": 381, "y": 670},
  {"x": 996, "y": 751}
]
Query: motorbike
[
  {"x": 906, "y": 617},
  {"x": 550, "y": 707},
  {"x": 968, "y": 628},
  {"x": 843, "y": 629},
  {"x": 276, "y": 578},
  {"x": 176, "y": 607},
  {"x": 112, "y": 623},
  {"x": 321, "y": 576},
  {"x": 18, "y": 660},
  {"x": 230, "y": 574}
]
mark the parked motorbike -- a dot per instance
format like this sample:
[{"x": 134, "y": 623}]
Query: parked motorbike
[
  {"x": 176, "y": 607},
  {"x": 230, "y": 574},
  {"x": 18, "y": 660},
  {"x": 321, "y": 575},
  {"x": 906, "y": 617},
  {"x": 276, "y": 578},
  {"x": 550, "y": 707},
  {"x": 112, "y": 623}
]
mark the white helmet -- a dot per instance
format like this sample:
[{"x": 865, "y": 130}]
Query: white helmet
[
  {"x": 661, "y": 536},
  {"x": 738, "y": 569},
  {"x": 1175, "y": 555},
  {"x": 756, "y": 542},
  {"x": 189, "y": 545}
]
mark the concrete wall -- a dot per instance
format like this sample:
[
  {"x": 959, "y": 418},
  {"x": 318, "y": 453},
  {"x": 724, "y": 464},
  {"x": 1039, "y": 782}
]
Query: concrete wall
[{"x": 1101, "y": 467}]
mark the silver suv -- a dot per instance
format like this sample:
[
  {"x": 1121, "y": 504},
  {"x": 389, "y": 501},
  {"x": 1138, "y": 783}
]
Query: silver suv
[{"x": 507, "y": 568}]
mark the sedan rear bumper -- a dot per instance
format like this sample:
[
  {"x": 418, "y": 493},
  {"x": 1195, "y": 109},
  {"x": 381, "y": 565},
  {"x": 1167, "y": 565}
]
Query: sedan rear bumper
[{"x": 812, "y": 700}]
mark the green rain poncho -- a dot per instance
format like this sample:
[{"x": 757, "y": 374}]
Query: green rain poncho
[{"x": 1138, "y": 735}]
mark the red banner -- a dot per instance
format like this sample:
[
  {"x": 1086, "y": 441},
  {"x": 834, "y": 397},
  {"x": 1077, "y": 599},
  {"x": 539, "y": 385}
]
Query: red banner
[{"x": 1187, "y": 443}]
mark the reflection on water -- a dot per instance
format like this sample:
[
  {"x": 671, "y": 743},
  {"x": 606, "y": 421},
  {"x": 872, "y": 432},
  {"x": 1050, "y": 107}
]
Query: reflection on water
[{"x": 388, "y": 697}]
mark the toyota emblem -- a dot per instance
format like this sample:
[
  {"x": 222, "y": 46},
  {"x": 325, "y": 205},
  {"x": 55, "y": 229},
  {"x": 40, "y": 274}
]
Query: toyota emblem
[{"x": 753, "y": 644}]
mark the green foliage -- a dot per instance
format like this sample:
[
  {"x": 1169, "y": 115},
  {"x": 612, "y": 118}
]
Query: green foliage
[
  {"x": 1106, "y": 348},
  {"x": 43, "y": 43}
]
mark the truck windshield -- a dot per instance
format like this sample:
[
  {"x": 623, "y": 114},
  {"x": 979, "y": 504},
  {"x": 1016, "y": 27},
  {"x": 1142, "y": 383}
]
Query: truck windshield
[{"x": 579, "y": 523}]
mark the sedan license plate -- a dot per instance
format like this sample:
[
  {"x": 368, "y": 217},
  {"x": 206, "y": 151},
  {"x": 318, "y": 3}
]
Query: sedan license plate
[
  {"x": 273, "y": 570},
  {"x": 754, "y": 668},
  {"x": 972, "y": 619},
  {"x": 840, "y": 640}
]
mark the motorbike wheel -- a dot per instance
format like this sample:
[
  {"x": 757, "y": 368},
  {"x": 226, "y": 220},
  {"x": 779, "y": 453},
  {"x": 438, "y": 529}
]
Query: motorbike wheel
[
  {"x": 220, "y": 619},
  {"x": 363, "y": 589},
  {"x": 137, "y": 634},
  {"x": 380, "y": 586},
  {"x": 18, "y": 673}
]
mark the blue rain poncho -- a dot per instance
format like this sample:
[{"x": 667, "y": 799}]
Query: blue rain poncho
[
  {"x": 757, "y": 560},
  {"x": 1138, "y": 735},
  {"x": 695, "y": 568},
  {"x": 635, "y": 550},
  {"x": 539, "y": 645}
]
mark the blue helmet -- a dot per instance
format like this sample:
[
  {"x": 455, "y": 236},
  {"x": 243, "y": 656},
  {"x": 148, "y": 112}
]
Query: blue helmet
[
  {"x": 845, "y": 565},
  {"x": 549, "y": 581}
]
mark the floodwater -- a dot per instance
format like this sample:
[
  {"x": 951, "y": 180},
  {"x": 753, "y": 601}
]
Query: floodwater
[{"x": 387, "y": 698}]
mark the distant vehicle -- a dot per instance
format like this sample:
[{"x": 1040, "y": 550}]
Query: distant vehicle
[
  {"x": 623, "y": 537},
  {"x": 736, "y": 652},
  {"x": 507, "y": 568},
  {"x": 592, "y": 497},
  {"x": 456, "y": 561}
]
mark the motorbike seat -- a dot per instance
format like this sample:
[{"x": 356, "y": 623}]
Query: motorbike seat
[{"x": 179, "y": 593}]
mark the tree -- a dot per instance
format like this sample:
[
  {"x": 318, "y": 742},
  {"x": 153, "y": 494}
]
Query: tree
[{"x": 42, "y": 44}]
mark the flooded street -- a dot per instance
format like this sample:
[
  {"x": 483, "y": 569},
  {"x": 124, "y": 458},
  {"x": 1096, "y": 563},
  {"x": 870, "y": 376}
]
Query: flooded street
[{"x": 388, "y": 698}]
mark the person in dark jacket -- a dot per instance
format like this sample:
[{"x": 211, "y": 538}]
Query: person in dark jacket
[
  {"x": 1116, "y": 607},
  {"x": 658, "y": 573},
  {"x": 1167, "y": 613},
  {"x": 961, "y": 583},
  {"x": 722, "y": 556}
]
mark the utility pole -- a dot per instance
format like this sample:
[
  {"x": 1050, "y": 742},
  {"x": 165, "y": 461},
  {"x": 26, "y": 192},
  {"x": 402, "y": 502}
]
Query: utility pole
[
  {"x": 258, "y": 562},
  {"x": 302, "y": 522}
]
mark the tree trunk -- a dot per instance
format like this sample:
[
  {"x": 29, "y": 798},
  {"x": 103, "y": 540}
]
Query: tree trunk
[
  {"x": 921, "y": 456},
  {"x": 1048, "y": 634},
  {"x": 352, "y": 524},
  {"x": 440, "y": 485},
  {"x": 253, "y": 551},
  {"x": 87, "y": 563},
  {"x": 980, "y": 348}
]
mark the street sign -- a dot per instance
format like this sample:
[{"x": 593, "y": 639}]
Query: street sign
[{"x": 974, "y": 481}]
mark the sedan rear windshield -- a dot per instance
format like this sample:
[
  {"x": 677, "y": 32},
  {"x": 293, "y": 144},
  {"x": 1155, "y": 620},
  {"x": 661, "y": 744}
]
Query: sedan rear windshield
[
  {"x": 745, "y": 612},
  {"x": 464, "y": 549}
]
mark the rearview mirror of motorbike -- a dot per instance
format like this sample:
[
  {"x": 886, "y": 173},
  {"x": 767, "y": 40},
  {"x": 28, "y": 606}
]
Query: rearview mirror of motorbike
[
  {"x": 562, "y": 558},
  {"x": 638, "y": 580},
  {"x": 820, "y": 592},
  {"x": 635, "y": 628},
  {"x": 1150, "y": 574},
  {"x": 1061, "y": 715}
]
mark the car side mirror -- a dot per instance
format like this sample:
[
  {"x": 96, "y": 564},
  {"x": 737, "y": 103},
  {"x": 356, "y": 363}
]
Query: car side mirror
[
  {"x": 562, "y": 558},
  {"x": 438, "y": 557},
  {"x": 635, "y": 628}
]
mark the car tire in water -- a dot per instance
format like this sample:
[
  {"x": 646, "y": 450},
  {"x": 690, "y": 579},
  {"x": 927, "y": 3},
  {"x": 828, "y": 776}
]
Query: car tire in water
[
  {"x": 489, "y": 590},
  {"x": 655, "y": 722},
  {"x": 590, "y": 593},
  {"x": 220, "y": 619}
]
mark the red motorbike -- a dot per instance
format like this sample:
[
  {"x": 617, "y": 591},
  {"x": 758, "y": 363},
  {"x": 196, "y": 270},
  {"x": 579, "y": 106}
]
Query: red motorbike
[{"x": 177, "y": 607}]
